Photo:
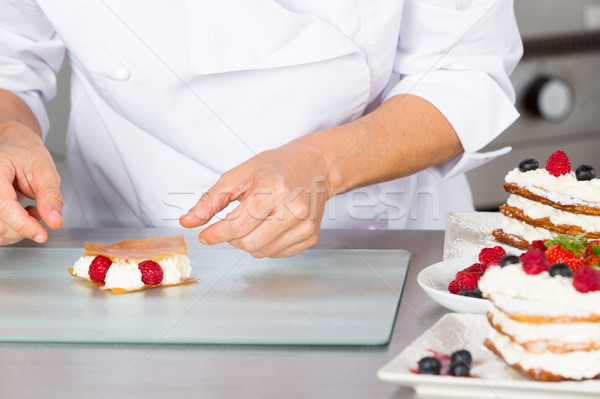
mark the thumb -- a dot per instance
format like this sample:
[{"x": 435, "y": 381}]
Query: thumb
[
  {"x": 49, "y": 202},
  {"x": 212, "y": 202}
]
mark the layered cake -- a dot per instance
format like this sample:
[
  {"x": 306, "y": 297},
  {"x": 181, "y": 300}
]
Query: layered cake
[
  {"x": 545, "y": 318},
  {"x": 545, "y": 202},
  {"x": 132, "y": 265}
]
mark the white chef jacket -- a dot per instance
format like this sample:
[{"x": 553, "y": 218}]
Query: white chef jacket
[{"x": 168, "y": 95}]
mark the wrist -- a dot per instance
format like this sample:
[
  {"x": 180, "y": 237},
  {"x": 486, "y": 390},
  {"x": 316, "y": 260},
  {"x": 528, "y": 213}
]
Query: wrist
[
  {"x": 14, "y": 110},
  {"x": 322, "y": 154},
  {"x": 13, "y": 129}
]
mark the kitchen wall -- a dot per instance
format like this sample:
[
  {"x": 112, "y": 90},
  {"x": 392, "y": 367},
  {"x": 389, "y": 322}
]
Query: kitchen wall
[
  {"x": 58, "y": 112},
  {"x": 558, "y": 93}
]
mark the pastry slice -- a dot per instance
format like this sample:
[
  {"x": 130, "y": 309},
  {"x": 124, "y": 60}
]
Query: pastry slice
[{"x": 133, "y": 265}]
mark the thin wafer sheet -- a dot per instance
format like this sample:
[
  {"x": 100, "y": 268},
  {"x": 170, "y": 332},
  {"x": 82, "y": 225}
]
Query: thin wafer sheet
[{"x": 151, "y": 248}]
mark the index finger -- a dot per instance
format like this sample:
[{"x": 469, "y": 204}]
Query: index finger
[
  {"x": 238, "y": 224},
  {"x": 212, "y": 202},
  {"x": 16, "y": 217}
]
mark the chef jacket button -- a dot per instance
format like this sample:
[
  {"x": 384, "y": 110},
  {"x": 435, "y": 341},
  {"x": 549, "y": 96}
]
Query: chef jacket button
[{"x": 122, "y": 72}]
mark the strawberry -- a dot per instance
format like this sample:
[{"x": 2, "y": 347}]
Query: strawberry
[
  {"x": 558, "y": 164},
  {"x": 152, "y": 273},
  {"x": 592, "y": 253},
  {"x": 586, "y": 279},
  {"x": 98, "y": 269},
  {"x": 489, "y": 255},
  {"x": 556, "y": 254},
  {"x": 534, "y": 261},
  {"x": 567, "y": 249},
  {"x": 592, "y": 247}
]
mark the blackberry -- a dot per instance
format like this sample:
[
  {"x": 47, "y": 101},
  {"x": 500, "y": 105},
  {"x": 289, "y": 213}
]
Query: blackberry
[
  {"x": 461, "y": 356},
  {"x": 460, "y": 370},
  {"x": 585, "y": 172},
  {"x": 528, "y": 164},
  {"x": 429, "y": 365},
  {"x": 509, "y": 260},
  {"x": 560, "y": 269},
  {"x": 474, "y": 293}
]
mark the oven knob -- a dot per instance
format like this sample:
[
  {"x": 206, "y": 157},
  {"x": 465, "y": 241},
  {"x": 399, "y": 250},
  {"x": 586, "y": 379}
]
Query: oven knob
[{"x": 551, "y": 98}]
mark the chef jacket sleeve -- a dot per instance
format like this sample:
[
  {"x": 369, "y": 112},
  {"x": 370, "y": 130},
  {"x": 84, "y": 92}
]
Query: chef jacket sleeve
[
  {"x": 31, "y": 54},
  {"x": 457, "y": 55}
]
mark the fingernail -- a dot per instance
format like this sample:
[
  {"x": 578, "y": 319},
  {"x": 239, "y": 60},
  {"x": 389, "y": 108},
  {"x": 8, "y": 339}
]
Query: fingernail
[
  {"x": 57, "y": 213},
  {"x": 39, "y": 238},
  {"x": 184, "y": 215},
  {"x": 202, "y": 241}
]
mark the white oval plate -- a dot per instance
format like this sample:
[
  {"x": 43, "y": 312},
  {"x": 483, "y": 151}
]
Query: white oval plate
[{"x": 435, "y": 279}]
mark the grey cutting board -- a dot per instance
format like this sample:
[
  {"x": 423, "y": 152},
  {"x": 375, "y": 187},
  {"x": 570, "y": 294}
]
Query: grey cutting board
[{"x": 320, "y": 297}]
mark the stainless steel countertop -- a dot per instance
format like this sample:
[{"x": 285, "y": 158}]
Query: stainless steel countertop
[{"x": 225, "y": 371}]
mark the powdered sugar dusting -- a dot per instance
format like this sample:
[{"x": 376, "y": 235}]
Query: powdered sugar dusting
[
  {"x": 558, "y": 198},
  {"x": 468, "y": 232}
]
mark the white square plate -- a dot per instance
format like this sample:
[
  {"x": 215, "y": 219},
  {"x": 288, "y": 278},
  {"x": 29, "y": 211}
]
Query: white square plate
[{"x": 492, "y": 378}]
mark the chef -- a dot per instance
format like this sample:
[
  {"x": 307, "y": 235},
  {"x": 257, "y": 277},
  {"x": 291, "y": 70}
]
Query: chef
[{"x": 268, "y": 120}]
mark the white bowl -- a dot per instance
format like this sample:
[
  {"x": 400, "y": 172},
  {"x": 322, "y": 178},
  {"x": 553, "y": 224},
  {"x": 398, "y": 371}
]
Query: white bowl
[{"x": 435, "y": 279}]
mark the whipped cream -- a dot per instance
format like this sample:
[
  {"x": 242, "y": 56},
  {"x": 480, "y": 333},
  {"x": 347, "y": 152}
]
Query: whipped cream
[
  {"x": 125, "y": 274},
  {"x": 576, "y": 365},
  {"x": 536, "y": 210},
  {"x": 518, "y": 306},
  {"x": 524, "y": 230},
  {"x": 579, "y": 334},
  {"x": 175, "y": 269},
  {"x": 556, "y": 292},
  {"x": 564, "y": 189}
]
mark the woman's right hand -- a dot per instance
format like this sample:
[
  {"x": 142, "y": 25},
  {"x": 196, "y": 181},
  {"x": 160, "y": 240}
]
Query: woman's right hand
[{"x": 26, "y": 171}]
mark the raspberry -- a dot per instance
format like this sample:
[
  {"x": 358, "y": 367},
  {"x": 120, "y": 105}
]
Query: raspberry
[
  {"x": 489, "y": 255},
  {"x": 534, "y": 262},
  {"x": 464, "y": 281},
  {"x": 152, "y": 273},
  {"x": 98, "y": 269},
  {"x": 478, "y": 268},
  {"x": 538, "y": 244},
  {"x": 454, "y": 287},
  {"x": 558, "y": 164},
  {"x": 469, "y": 280},
  {"x": 586, "y": 279}
]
